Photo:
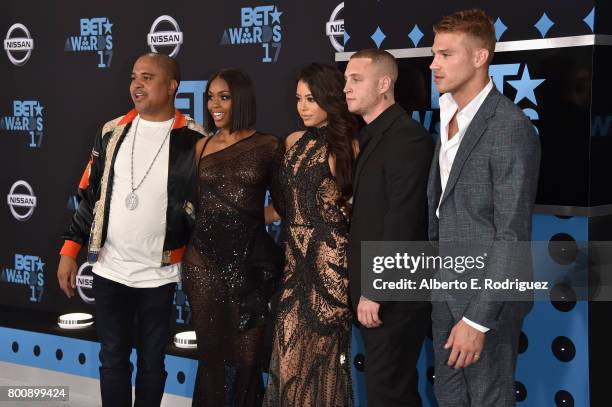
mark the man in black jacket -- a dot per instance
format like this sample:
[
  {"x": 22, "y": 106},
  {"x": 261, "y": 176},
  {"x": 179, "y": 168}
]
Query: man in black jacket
[
  {"x": 134, "y": 210},
  {"x": 389, "y": 204}
]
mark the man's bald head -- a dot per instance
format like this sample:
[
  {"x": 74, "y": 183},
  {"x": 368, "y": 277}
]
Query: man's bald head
[
  {"x": 167, "y": 64},
  {"x": 384, "y": 62}
]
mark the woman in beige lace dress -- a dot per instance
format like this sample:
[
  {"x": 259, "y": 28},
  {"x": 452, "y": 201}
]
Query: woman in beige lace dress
[{"x": 310, "y": 363}]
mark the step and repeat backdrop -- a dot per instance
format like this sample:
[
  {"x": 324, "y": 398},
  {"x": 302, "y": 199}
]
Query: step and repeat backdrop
[{"x": 66, "y": 70}]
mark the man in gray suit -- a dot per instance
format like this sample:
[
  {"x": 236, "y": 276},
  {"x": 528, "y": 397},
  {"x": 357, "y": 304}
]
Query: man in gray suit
[{"x": 481, "y": 188}]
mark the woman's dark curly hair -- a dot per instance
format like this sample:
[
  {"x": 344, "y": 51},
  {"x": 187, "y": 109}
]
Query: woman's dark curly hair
[{"x": 326, "y": 84}]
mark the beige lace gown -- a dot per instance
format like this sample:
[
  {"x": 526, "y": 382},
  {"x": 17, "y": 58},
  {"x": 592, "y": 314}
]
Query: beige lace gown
[{"x": 310, "y": 363}]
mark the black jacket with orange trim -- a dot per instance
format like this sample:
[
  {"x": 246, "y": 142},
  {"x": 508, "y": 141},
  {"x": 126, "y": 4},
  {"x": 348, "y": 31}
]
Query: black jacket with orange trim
[{"x": 90, "y": 221}]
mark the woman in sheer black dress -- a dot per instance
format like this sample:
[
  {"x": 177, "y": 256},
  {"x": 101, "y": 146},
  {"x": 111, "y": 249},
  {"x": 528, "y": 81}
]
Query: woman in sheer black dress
[{"x": 235, "y": 167}]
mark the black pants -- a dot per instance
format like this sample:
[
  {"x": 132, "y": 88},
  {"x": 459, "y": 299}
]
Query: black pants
[
  {"x": 392, "y": 351},
  {"x": 120, "y": 312}
]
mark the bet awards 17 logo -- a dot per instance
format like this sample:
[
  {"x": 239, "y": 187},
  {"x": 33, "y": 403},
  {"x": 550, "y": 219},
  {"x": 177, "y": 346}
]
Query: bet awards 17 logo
[
  {"x": 165, "y": 39},
  {"x": 27, "y": 117},
  {"x": 95, "y": 35},
  {"x": 18, "y": 48},
  {"x": 183, "y": 308},
  {"x": 258, "y": 25},
  {"x": 21, "y": 200},
  {"x": 334, "y": 28},
  {"x": 29, "y": 271}
]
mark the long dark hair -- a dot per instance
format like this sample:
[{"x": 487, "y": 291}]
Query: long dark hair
[
  {"x": 326, "y": 84},
  {"x": 243, "y": 100}
]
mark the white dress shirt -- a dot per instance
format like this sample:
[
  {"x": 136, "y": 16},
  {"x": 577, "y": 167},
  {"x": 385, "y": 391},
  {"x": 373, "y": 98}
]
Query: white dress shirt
[{"x": 448, "y": 148}]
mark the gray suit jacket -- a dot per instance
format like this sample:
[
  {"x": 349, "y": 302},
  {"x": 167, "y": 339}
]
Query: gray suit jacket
[{"x": 489, "y": 197}]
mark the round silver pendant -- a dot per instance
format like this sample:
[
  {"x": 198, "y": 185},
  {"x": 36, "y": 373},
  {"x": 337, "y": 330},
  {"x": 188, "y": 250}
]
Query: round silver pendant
[{"x": 131, "y": 201}]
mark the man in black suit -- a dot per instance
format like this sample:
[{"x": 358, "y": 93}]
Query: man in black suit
[{"x": 389, "y": 204}]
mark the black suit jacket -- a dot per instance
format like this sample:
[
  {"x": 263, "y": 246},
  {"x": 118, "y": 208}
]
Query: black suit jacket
[{"x": 389, "y": 190}]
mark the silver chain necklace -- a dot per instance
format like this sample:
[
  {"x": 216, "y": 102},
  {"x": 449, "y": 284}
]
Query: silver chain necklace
[{"x": 131, "y": 201}]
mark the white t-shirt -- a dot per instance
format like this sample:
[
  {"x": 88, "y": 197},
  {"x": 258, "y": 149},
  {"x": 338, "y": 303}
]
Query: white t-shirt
[{"x": 132, "y": 252}]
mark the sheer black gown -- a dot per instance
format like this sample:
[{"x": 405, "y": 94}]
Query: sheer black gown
[
  {"x": 229, "y": 372},
  {"x": 310, "y": 363}
]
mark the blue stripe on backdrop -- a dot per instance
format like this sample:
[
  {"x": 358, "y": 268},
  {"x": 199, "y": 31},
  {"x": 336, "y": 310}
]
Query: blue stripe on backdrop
[
  {"x": 17, "y": 346},
  {"x": 79, "y": 357}
]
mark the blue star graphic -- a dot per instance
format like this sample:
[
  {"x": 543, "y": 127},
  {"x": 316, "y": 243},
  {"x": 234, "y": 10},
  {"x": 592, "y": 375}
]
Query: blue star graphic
[
  {"x": 525, "y": 87},
  {"x": 107, "y": 26},
  {"x": 276, "y": 15},
  {"x": 39, "y": 265},
  {"x": 38, "y": 109}
]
